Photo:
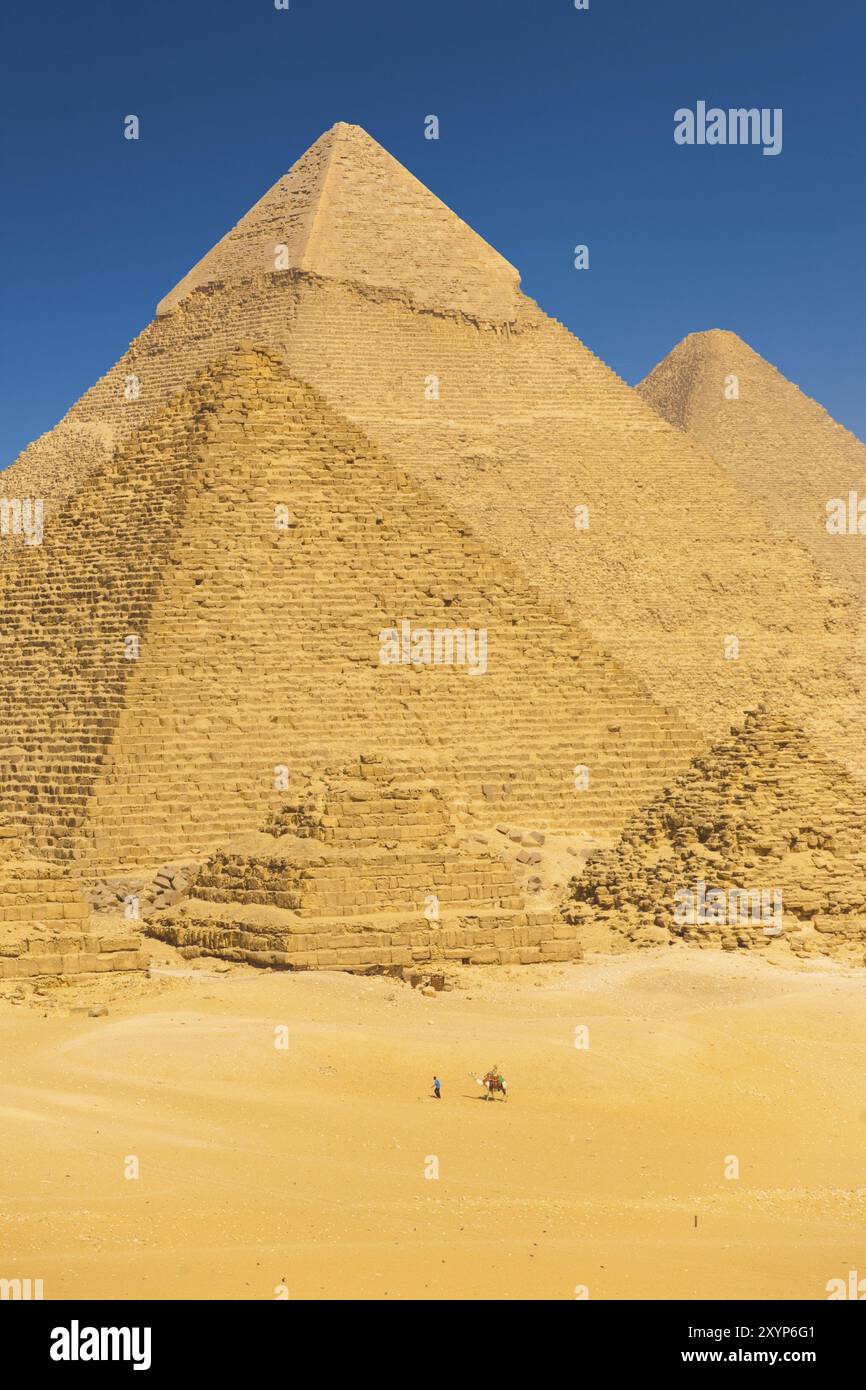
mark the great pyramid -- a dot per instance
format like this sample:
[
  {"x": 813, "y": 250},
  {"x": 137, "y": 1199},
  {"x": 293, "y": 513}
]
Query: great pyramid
[
  {"x": 409, "y": 326},
  {"x": 773, "y": 441},
  {"x": 761, "y": 837},
  {"x": 353, "y": 497},
  {"x": 221, "y": 602}
]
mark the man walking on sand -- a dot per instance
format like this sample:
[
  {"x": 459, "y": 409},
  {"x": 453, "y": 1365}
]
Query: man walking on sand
[{"x": 437, "y": 1088}]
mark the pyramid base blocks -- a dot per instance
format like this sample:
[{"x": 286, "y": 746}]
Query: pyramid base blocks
[
  {"x": 360, "y": 944},
  {"x": 45, "y": 926},
  {"x": 70, "y": 955},
  {"x": 363, "y": 872}
]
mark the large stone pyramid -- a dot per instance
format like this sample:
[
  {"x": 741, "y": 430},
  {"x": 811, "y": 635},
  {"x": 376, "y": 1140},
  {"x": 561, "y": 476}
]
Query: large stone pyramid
[
  {"x": 212, "y": 619},
  {"x": 408, "y": 325},
  {"x": 762, "y": 816},
  {"x": 353, "y": 497},
  {"x": 772, "y": 440}
]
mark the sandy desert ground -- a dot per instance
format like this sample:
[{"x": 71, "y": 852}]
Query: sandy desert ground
[{"x": 304, "y": 1168}]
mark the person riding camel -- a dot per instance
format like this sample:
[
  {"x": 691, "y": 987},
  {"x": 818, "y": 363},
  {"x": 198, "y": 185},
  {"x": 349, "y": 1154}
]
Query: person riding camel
[{"x": 494, "y": 1082}]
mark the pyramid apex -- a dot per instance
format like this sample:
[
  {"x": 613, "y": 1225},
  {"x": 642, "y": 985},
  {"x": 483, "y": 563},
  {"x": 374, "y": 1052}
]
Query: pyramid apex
[
  {"x": 349, "y": 128},
  {"x": 715, "y": 338},
  {"x": 341, "y": 130},
  {"x": 704, "y": 340},
  {"x": 670, "y": 386},
  {"x": 349, "y": 211},
  {"x": 715, "y": 333}
]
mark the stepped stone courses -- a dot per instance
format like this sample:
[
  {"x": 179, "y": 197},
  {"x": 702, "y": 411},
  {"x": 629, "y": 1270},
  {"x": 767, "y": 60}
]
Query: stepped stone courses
[
  {"x": 761, "y": 810},
  {"x": 528, "y": 425},
  {"x": 44, "y": 921},
  {"x": 346, "y": 877},
  {"x": 260, "y": 647}
]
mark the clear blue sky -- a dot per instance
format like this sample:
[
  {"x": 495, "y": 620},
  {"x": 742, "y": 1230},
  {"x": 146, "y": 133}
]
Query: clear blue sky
[{"x": 556, "y": 128}]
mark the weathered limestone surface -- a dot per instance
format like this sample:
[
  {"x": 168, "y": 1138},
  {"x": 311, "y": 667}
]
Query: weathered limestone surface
[
  {"x": 428, "y": 434},
  {"x": 386, "y": 294},
  {"x": 763, "y": 810},
  {"x": 364, "y": 872},
  {"x": 44, "y": 921},
  {"x": 259, "y": 647},
  {"x": 775, "y": 443}
]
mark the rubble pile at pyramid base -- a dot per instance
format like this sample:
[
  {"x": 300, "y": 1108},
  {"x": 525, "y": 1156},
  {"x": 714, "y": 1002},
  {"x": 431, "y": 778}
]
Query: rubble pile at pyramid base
[
  {"x": 364, "y": 871},
  {"x": 761, "y": 839}
]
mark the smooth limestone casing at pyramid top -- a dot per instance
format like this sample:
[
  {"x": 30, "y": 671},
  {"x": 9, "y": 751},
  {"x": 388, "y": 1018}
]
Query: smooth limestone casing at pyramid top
[
  {"x": 385, "y": 290},
  {"x": 775, "y": 443}
]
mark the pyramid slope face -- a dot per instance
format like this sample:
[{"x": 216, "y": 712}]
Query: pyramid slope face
[
  {"x": 69, "y": 606},
  {"x": 257, "y": 649},
  {"x": 33, "y": 893},
  {"x": 56, "y": 464},
  {"x": 776, "y": 443},
  {"x": 348, "y": 210},
  {"x": 514, "y": 424},
  {"x": 762, "y": 813}
]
